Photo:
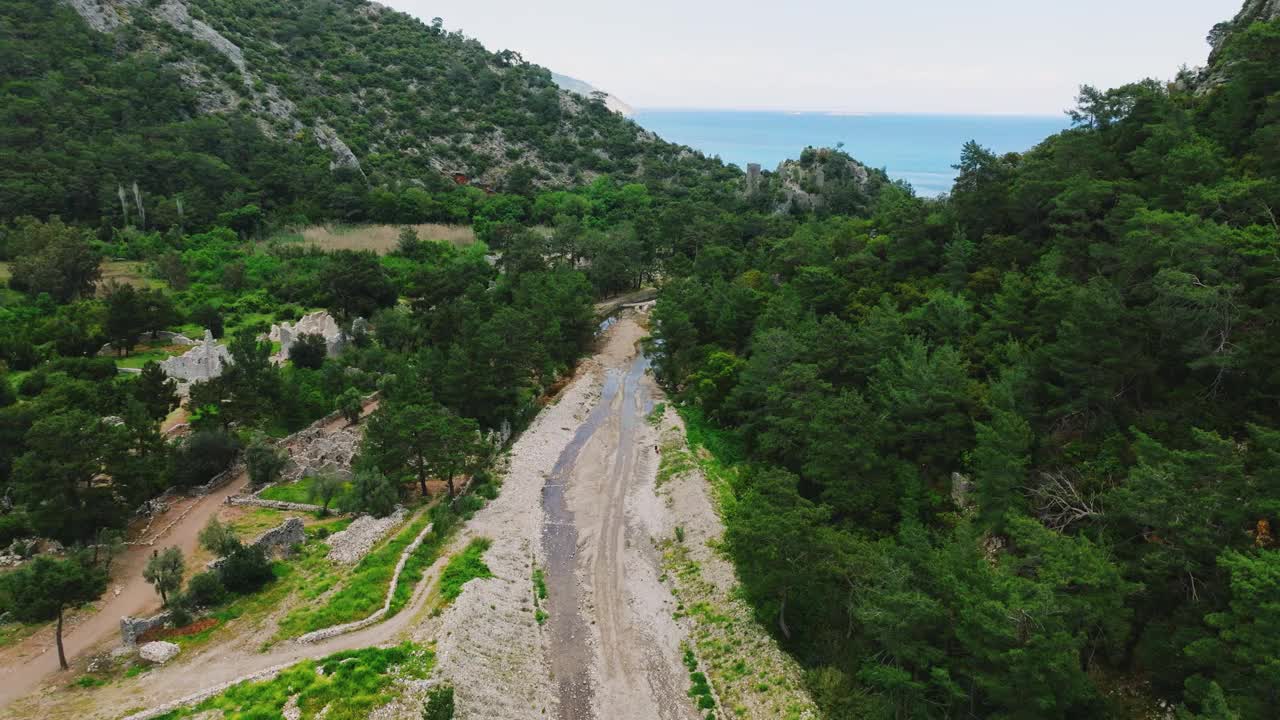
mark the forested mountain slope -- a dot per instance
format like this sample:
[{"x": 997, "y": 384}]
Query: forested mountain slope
[
  {"x": 1010, "y": 453},
  {"x": 210, "y": 105},
  {"x": 1013, "y": 453}
]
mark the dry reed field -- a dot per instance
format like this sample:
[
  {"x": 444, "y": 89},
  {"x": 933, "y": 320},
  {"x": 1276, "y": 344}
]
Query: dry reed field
[{"x": 381, "y": 238}]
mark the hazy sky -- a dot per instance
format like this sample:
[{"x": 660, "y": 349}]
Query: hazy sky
[{"x": 984, "y": 56}]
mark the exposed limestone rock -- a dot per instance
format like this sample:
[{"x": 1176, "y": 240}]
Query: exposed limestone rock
[
  {"x": 213, "y": 94},
  {"x": 962, "y": 491},
  {"x": 159, "y": 652},
  {"x": 342, "y": 155},
  {"x": 176, "y": 14},
  {"x": 803, "y": 181},
  {"x": 100, "y": 15},
  {"x": 1217, "y": 72}
]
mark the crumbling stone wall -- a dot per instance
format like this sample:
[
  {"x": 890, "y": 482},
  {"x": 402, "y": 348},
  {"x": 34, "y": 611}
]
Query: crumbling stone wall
[
  {"x": 277, "y": 540},
  {"x": 282, "y": 537},
  {"x": 132, "y": 628}
]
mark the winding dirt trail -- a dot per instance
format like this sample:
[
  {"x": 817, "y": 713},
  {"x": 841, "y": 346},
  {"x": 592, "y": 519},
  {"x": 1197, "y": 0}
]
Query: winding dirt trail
[
  {"x": 26, "y": 665},
  {"x": 231, "y": 661}
]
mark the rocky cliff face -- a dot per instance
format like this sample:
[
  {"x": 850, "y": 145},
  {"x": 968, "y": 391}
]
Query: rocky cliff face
[
  {"x": 1217, "y": 70},
  {"x": 1253, "y": 11}
]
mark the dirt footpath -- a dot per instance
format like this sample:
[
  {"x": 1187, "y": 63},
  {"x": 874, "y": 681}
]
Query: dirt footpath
[
  {"x": 25, "y": 666},
  {"x": 574, "y": 504}
]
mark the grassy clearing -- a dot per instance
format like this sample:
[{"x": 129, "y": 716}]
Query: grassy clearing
[
  {"x": 464, "y": 567},
  {"x": 344, "y": 686},
  {"x": 300, "y": 492},
  {"x": 363, "y": 591},
  {"x": 381, "y": 239},
  {"x": 5, "y": 272},
  {"x": 147, "y": 352},
  {"x": 128, "y": 272}
]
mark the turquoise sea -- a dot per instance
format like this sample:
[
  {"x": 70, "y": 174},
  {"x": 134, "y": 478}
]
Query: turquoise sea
[{"x": 917, "y": 148}]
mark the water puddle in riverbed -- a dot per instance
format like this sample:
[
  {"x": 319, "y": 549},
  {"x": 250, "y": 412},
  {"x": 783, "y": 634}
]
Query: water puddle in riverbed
[{"x": 570, "y": 653}]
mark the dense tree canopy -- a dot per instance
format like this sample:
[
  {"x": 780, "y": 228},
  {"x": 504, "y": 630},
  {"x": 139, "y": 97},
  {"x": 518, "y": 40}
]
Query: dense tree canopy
[{"x": 997, "y": 453}]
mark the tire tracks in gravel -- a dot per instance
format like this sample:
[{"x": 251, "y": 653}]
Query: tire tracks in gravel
[{"x": 613, "y": 645}]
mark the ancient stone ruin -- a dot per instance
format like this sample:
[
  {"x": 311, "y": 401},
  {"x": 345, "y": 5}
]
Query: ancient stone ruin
[
  {"x": 319, "y": 449},
  {"x": 276, "y": 541},
  {"x": 282, "y": 537},
  {"x": 317, "y": 323},
  {"x": 132, "y": 628},
  {"x": 205, "y": 361}
]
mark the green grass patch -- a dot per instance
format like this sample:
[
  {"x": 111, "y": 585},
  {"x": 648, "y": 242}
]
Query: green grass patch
[
  {"x": 675, "y": 460},
  {"x": 15, "y": 632},
  {"x": 361, "y": 594},
  {"x": 715, "y": 451},
  {"x": 464, "y": 567},
  {"x": 300, "y": 492},
  {"x": 655, "y": 415},
  {"x": 539, "y": 595},
  {"x": 344, "y": 686},
  {"x": 539, "y": 584},
  {"x": 89, "y": 681}
]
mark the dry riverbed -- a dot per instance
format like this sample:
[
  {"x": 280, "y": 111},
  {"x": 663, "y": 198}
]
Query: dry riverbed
[{"x": 604, "y": 642}]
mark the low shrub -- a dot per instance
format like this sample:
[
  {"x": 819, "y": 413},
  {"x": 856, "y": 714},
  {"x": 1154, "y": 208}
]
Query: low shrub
[
  {"x": 439, "y": 705},
  {"x": 245, "y": 570},
  {"x": 205, "y": 590}
]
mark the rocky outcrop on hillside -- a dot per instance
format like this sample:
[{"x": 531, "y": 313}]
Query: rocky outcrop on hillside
[
  {"x": 1217, "y": 71},
  {"x": 388, "y": 97},
  {"x": 821, "y": 178},
  {"x": 214, "y": 91}
]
